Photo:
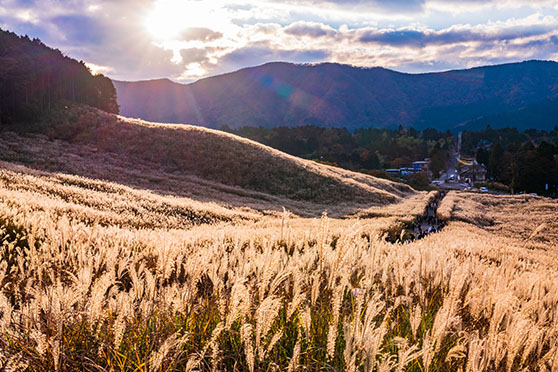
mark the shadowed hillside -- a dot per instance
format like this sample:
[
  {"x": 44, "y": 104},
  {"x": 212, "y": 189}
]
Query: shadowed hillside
[
  {"x": 211, "y": 156},
  {"x": 333, "y": 95}
]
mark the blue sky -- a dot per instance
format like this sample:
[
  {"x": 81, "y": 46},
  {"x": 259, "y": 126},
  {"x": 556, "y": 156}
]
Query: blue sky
[{"x": 185, "y": 40}]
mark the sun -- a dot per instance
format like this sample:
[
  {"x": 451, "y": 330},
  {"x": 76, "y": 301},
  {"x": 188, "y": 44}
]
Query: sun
[{"x": 169, "y": 18}]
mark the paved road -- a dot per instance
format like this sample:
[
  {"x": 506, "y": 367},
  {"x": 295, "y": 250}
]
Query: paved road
[{"x": 450, "y": 178}]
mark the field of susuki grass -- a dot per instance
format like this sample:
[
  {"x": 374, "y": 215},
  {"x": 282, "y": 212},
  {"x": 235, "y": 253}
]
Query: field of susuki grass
[
  {"x": 102, "y": 273},
  {"x": 193, "y": 162}
]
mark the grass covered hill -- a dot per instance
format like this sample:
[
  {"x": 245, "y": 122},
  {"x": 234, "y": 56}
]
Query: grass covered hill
[
  {"x": 99, "y": 276},
  {"x": 213, "y": 156},
  {"x": 92, "y": 201}
]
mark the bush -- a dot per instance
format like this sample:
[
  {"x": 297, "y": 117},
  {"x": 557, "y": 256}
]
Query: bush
[
  {"x": 494, "y": 186},
  {"x": 419, "y": 181}
]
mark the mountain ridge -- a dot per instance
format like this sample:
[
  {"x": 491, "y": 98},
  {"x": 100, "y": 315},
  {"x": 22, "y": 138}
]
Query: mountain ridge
[
  {"x": 336, "y": 95},
  {"x": 457, "y": 70}
]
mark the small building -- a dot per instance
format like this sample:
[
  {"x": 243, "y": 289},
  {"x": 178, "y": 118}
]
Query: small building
[
  {"x": 403, "y": 172},
  {"x": 410, "y": 171},
  {"x": 475, "y": 172},
  {"x": 396, "y": 172},
  {"x": 421, "y": 165}
]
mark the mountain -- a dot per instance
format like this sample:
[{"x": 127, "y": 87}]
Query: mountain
[
  {"x": 543, "y": 114},
  {"x": 335, "y": 95}
]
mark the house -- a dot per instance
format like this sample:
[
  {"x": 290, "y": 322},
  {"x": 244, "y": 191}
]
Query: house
[
  {"x": 421, "y": 165},
  {"x": 408, "y": 171},
  {"x": 399, "y": 172},
  {"x": 418, "y": 166},
  {"x": 475, "y": 172}
]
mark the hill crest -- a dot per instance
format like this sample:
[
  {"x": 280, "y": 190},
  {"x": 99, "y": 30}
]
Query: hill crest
[{"x": 238, "y": 165}]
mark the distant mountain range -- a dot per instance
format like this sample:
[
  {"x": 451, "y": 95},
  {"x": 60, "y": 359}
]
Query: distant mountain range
[{"x": 335, "y": 95}]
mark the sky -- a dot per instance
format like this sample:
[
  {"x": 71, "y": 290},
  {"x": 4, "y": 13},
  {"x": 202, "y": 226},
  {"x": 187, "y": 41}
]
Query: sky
[{"x": 185, "y": 40}]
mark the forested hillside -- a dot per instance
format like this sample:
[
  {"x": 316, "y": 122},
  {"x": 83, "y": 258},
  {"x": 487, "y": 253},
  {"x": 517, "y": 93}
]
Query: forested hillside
[
  {"x": 525, "y": 161},
  {"x": 34, "y": 78},
  {"x": 542, "y": 114},
  {"x": 363, "y": 149},
  {"x": 341, "y": 96}
]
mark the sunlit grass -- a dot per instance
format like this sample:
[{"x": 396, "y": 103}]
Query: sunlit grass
[
  {"x": 144, "y": 273},
  {"x": 276, "y": 294}
]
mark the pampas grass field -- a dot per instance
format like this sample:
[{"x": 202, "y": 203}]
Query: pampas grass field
[{"x": 105, "y": 267}]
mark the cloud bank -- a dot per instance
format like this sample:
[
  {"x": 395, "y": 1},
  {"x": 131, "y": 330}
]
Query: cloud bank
[{"x": 190, "y": 39}]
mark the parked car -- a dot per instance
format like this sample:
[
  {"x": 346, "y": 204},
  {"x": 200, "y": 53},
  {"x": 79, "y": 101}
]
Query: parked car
[{"x": 484, "y": 189}]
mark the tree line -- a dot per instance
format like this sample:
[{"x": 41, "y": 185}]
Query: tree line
[
  {"x": 363, "y": 149},
  {"x": 522, "y": 160},
  {"x": 35, "y": 78},
  {"x": 526, "y": 161}
]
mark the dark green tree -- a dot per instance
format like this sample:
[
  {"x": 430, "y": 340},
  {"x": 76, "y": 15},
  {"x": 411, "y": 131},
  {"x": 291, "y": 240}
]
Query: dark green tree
[
  {"x": 494, "y": 165},
  {"x": 369, "y": 160},
  {"x": 438, "y": 160},
  {"x": 35, "y": 78}
]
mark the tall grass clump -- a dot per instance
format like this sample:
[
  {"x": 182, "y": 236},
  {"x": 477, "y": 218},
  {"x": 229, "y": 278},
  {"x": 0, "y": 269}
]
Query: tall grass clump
[{"x": 78, "y": 295}]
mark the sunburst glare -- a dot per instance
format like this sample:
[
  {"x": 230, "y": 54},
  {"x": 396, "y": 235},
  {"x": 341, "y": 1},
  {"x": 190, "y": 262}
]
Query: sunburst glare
[{"x": 169, "y": 18}]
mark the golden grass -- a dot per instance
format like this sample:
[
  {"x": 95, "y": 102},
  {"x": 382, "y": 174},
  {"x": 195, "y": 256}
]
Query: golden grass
[
  {"x": 102, "y": 276},
  {"x": 107, "y": 204},
  {"x": 86, "y": 286},
  {"x": 446, "y": 206},
  {"x": 530, "y": 219},
  {"x": 221, "y": 157},
  {"x": 408, "y": 209}
]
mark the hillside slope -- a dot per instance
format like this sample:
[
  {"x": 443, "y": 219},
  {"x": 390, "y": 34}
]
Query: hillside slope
[
  {"x": 543, "y": 114},
  {"x": 93, "y": 201},
  {"x": 182, "y": 157},
  {"x": 333, "y": 95},
  {"x": 121, "y": 274}
]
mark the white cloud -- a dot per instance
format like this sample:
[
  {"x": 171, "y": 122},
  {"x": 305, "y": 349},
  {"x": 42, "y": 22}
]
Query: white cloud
[
  {"x": 98, "y": 69},
  {"x": 188, "y": 39}
]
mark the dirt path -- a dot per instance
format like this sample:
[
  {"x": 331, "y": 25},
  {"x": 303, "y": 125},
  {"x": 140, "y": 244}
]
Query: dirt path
[{"x": 424, "y": 225}]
